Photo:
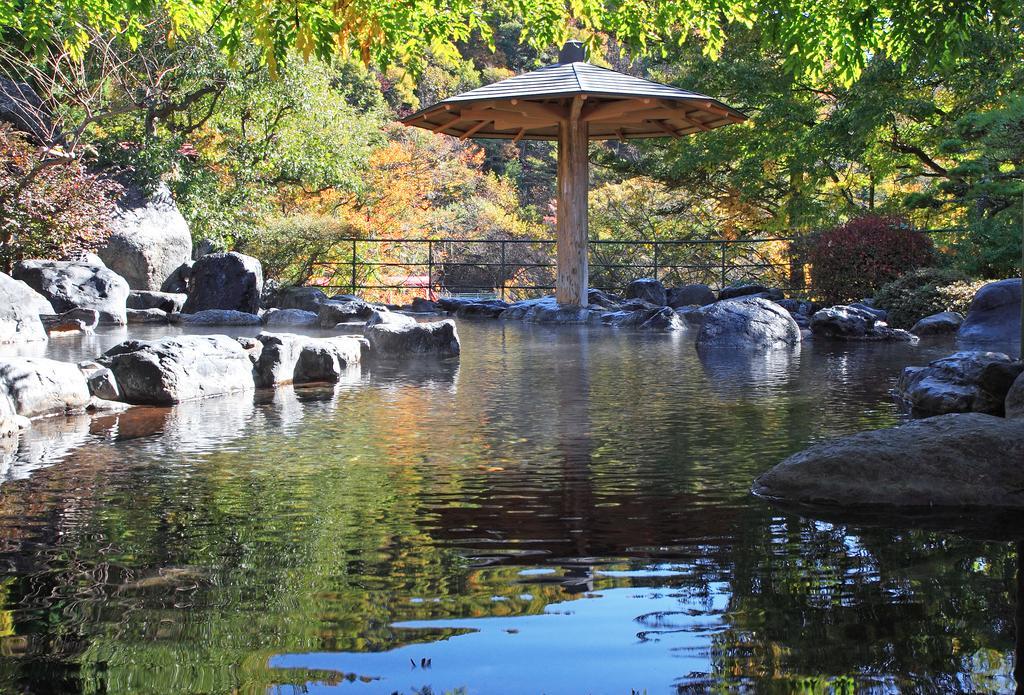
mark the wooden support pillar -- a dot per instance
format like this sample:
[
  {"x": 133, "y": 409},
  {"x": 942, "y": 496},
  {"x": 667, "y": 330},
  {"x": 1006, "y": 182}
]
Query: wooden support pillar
[{"x": 571, "y": 286}]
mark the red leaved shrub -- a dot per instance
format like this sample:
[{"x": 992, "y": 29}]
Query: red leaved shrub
[{"x": 854, "y": 260}]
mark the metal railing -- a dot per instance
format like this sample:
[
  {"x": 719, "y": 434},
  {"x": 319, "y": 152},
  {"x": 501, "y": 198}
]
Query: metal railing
[
  {"x": 512, "y": 268},
  {"x": 516, "y": 268}
]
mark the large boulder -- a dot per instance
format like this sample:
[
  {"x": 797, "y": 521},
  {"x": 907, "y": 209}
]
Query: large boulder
[
  {"x": 177, "y": 282},
  {"x": 149, "y": 240},
  {"x": 20, "y": 308},
  {"x": 33, "y": 386},
  {"x": 994, "y": 313},
  {"x": 435, "y": 338},
  {"x": 77, "y": 285},
  {"x": 942, "y": 323},
  {"x": 305, "y": 298},
  {"x": 225, "y": 281},
  {"x": 749, "y": 323},
  {"x": 957, "y": 460},
  {"x": 964, "y": 382},
  {"x": 690, "y": 295},
  {"x": 168, "y": 302},
  {"x": 647, "y": 289},
  {"x": 181, "y": 368},
  {"x": 1015, "y": 399},
  {"x": 854, "y": 323}
]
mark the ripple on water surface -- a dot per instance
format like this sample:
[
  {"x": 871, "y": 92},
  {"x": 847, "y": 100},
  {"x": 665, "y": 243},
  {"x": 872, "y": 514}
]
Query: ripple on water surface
[{"x": 560, "y": 510}]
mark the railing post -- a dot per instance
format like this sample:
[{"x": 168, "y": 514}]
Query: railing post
[
  {"x": 721, "y": 284},
  {"x": 502, "y": 270},
  {"x": 430, "y": 269},
  {"x": 655, "y": 260},
  {"x": 353, "y": 266}
]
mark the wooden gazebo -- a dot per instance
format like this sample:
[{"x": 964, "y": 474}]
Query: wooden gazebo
[{"x": 574, "y": 102}]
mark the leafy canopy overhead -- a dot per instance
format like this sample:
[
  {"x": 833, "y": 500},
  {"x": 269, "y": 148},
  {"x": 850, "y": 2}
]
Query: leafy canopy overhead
[{"x": 838, "y": 35}]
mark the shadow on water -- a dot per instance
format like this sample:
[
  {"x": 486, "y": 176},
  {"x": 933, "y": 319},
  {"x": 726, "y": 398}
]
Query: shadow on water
[{"x": 560, "y": 510}]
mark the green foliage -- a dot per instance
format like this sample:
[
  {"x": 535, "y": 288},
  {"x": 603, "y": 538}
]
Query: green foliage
[
  {"x": 49, "y": 207},
  {"x": 290, "y": 247},
  {"x": 813, "y": 37},
  {"x": 855, "y": 259},
  {"x": 926, "y": 291}
]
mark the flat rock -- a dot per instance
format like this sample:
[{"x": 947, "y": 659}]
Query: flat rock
[
  {"x": 150, "y": 239},
  {"x": 647, "y": 289},
  {"x": 602, "y": 299},
  {"x": 994, "y": 313},
  {"x": 291, "y": 318},
  {"x": 218, "y": 317},
  {"x": 547, "y": 310},
  {"x": 435, "y": 338},
  {"x": 275, "y": 362},
  {"x": 658, "y": 319},
  {"x": 959, "y": 460},
  {"x": 181, "y": 368},
  {"x": 74, "y": 285},
  {"x": 34, "y": 386},
  {"x": 155, "y": 317},
  {"x": 391, "y": 318},
  {"x": 74, "y": 321},
  {"x": 851, "y": 322},
  {"x": 747, "y": 323},
  {"x": 690, "y": 295},
  {"x": 734, "y": 291},
  {"x": 964, "y": 382},
  {"x": 168, "y": 302},
  {"x": 481, "y": 310},
  {"x": 335, "y": 311},
  {"x": 230, "y": 281},
  {"x": 327, "y": 359},
  {"x": 943, "y": 323}
]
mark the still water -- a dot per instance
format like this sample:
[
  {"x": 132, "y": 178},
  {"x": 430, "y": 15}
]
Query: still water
[{"x": 559, "y": 511}]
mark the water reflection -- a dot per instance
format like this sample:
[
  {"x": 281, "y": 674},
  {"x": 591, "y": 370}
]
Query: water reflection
[{"x": 561, "y": 511}]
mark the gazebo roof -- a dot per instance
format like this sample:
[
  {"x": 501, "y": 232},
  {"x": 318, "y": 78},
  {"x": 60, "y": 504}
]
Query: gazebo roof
[{"x": 615, "y": 105}]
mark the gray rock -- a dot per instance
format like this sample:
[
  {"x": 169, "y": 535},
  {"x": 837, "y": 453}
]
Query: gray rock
[
  {"x": 391, "y": 318},
  {"x": 180, "y": 368},
  {"x": 647, "y": 289},
  {"x": 154, "y": 317},
  {"x": 943, "y": 323},
  {"x": 436, "y": 338},
  {"x": 335, "y": 311},
  {"x": 964, "y": 382},
  {"x": 74, "y": 321},
  {"x": 102, "y": 385},
  {"x": 481, "y": 310},
  {"x": 231, "y": 281},
  {"x": 879, "y": 314},
  {"x": 177, "y": 281},
  {"x": 692, "y": 316},
  {"x": 658, "y": 319},
  {"x": 20, "y": 307},
  {"x": 22, "y": 107},
  {"x": 168, "y": 302},
  {"x": 291, "y": 318},
  {"x": 994, "y": 314},
  {"x": 422, "y": 305},
  {"x": 853, "y": 323},
  {"x": 33, "y": 386},
  {"x": 277, "y": 357},
  {"x": 957, "y": 460},
  {"x": 690, "y": 295},
  {"x": 797, "y": 307},
  {"x": 218, "y": 317},
  {"x": 1015, "y": 399},
  {"x": 69, "y": 285},
  {"x": 546, "y": 310},
  {"x": 734, "y": 291},
  {"x": 749, "y": 323},
  {"x": 602, "y": 299},
  {"x": 253, "y": 348},
  {"x": 326, "y": 359},
  {"x": 205, "y": 247},
  {"x": 150, "y": 239},
  {"x": 305, "y": 298}
]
